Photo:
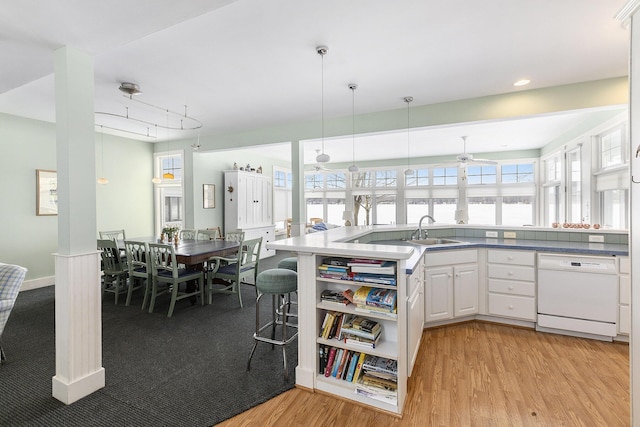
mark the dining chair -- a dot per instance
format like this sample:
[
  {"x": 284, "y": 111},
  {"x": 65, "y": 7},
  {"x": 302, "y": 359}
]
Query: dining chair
[
  {"x": 11, "y": 278},
  {"x": 234, "y": 236},
  {"x": 209, "y": 234},
  {"x": 117, "y": 236},
  {"x": 187, "y": 234},
  {"x": 231, "y": 272},
  {"x": 139, "y": 269},
  {"x": 115, "y": 272},
  {"x": 166, "y": 272},
  {"x": 288, "y": 223}
]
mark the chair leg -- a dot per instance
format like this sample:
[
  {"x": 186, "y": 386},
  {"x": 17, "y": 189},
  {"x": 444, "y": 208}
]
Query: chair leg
[
  {"x": 201, "y": 284},
  {"x": 132, "y": 282},
  {"x": 147, "y": 291},
  {"x": 174, "y": 295},
  {"x": 154, "y": 292},
  {"x": 3, "y": 356},
  {"x": 237, "y": 286}
]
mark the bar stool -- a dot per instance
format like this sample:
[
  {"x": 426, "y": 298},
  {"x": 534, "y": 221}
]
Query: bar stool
[
  {"x": 290, "y": 263},
  {"x": 279, "y": 283}
]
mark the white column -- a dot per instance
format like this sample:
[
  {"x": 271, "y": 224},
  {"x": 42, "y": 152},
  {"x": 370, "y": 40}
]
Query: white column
[
  {"x": 79, "y": 370},
  {"x": 297, "y": 192}
]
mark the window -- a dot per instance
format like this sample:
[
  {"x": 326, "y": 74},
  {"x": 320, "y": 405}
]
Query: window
[
  {"x": 282, "y": 179},
  {"x": 612, "y": 148},
  {"x": 172, "y": 209},
  {"x": 445, "y": 176},
  {"x": 313, "y": 181},
  {"x": 386, "y": 178},
  {"x": 482, "y": 210},
  {"x": 419, "y": 177},
  {"x": 614, "y": 208},
  {"x": 518, "y": 210},
  {"x": 551, "y": 190},
  {"x": 574, "y": 187},
  {"x": 336, "y": 180},
  {"x": 171, "y": 167},
  {"x": 481, "y": 175},
  {"x": 444, "y": 210},
  {"x": 385, "y": 208},
  {"x": 517, "y": 173}
]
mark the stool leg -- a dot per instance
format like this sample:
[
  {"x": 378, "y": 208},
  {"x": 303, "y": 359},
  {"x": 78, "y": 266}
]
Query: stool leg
[
  {"x": 274, "y": 299},
  {"x": 285, "y": 298},
  {"x": 255, "y": 341}
]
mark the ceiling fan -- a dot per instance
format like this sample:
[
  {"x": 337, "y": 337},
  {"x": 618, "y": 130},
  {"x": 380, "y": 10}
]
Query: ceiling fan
[{"x": 464, "y": 158}]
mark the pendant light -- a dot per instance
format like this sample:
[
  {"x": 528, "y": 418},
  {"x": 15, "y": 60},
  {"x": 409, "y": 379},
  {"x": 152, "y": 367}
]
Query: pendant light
[
  {"x": 102, "y": 180},
  {"x": 169, "y": 175},
  {"x": 408, "y": 171},
  {"x": 322, "y": 157},
  {"x": 353, "y": 168}
]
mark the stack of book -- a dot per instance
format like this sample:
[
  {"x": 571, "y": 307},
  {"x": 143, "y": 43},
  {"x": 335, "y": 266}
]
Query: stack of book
[
  {"x": 342, "y": 364},
  {"x": 375, "y": 301},
  {"x": 331, "y": 325},
  {"x": 373, "y": 271},
  {"x": 358, "y": 330},
  {"x": 336, "y": 297},
  {"x": 379, "y": 379},
  {"x": 334, "y": 268}
]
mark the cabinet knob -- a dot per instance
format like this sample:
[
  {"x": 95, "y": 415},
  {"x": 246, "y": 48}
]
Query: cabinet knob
[
  {"x": 510, "y": 258},
  {"x": 510, "y": 273},
  {"x": 510, "y": 307},
  {"x": 510, "y": 288}
]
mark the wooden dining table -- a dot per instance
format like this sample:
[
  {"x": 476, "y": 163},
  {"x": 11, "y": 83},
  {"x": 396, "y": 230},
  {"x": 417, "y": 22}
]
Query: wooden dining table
[{"x": 195, "y": 252}]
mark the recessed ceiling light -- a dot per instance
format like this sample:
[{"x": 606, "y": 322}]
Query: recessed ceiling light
[{"x": 522, "y": 82}]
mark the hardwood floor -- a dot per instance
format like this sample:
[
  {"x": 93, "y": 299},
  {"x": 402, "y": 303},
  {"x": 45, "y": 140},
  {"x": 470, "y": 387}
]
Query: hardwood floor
[{"x": 482, "y": 374}]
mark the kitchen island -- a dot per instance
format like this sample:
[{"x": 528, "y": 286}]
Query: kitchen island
[{"x": 471, "y": 293}]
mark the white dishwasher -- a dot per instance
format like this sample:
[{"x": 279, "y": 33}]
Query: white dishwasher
[{"x": 577, "y": 295}]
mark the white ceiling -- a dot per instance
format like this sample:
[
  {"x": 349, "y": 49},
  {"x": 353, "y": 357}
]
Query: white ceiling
[{"x": 250, "y": 64}]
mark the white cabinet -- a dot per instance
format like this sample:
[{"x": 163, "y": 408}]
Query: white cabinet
[
  {"x": 512, "y": 284},
  {"x": 248, "y": 206},
  {"x": 451, "y": 284},
  {"x": 415, "y": 313},
  {"x": 624, "y": 311}
]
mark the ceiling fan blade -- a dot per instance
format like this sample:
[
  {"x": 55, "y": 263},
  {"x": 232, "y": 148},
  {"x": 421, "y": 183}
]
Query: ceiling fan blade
[{"x": 484, "y": 161}]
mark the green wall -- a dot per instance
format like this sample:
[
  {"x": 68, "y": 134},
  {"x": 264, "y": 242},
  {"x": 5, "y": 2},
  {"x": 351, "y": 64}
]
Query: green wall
[{"x": 30, "y": 240}]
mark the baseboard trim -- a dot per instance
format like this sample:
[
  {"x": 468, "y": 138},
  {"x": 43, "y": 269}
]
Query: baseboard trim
[{"x": 41, "y": 282}]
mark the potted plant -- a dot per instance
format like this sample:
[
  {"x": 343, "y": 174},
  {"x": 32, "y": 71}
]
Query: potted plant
[{"x": 169, "y": 232}]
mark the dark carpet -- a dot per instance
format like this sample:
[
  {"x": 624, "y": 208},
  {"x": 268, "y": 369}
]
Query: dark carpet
[{"x": 187, "y": 370}]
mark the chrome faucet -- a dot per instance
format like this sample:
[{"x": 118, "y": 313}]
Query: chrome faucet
[{"x": 419, "y": 230}]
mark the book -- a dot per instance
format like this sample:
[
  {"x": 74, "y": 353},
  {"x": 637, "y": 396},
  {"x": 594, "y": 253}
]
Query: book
[
  {"x": 363, "y": 342},
  {"x": 383, "y": 383},
  {"x": 387, "y": 267},
  {"x": 337, "y": 319},
  {"x": 383, "y": 298},
  {"x": 359, "y": 364},
  {"x": 329, "y": 317},
  {"x": 352, "y": 366},
  {"x": 382, "y": 364},
  {"x": 364, "y": 324},
  {"x": 336, "y": 362},
  {"x": 364, "y": 261},
  {"x": 348, "y": 329},
  {"x": 322, "y": 359},
  {"x": 377, "y": 311},
  {"x": 360, "y": 295},
  {"x": 347, "y": 365},
  {"x": 348, "y": 294},
  {"x": 379, "y": 279},
  {"x": 334, "y": 297},
  {"x": 337, "y": 268},
  {"x": 330, "y": 361},
  {"x": 343, "y": 360},
  {"x": 335, "y": 261}
]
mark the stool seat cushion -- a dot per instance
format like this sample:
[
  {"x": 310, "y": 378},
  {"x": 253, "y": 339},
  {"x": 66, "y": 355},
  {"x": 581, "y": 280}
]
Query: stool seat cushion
[
  {"x": 290, "y": 263},
  {"x": 277, "y": 281}
]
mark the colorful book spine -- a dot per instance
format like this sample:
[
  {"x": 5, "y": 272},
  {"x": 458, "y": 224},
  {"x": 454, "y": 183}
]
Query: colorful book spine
[
  {"x": 330, "y": 362},
  {"x": 352, "y": 366}
]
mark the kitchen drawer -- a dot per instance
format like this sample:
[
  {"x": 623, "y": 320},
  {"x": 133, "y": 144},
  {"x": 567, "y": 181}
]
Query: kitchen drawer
[
  {"x": 511, "y": 272},
  {"x": 458, "y": 256},
  {"x": 512, "y": 306},
  {"x": 512, "y": 287},
  {"x": 511, "y": 257}
]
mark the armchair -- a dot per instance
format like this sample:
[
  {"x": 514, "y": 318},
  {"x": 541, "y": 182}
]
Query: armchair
[{"x": 11, "y": 278}]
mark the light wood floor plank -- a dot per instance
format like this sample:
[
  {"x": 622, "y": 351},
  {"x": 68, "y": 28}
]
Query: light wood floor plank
[{"x": 482, "y": 374}]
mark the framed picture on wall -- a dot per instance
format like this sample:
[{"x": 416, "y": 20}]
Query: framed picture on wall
[
  {"x": 208, "y": 196},
  {"x": 46, "y": 192}
]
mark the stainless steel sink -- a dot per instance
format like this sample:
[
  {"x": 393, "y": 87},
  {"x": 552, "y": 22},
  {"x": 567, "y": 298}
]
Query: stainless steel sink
[
  {"x": 434, "y": 241},
  {"x": 422, "y": 242}
]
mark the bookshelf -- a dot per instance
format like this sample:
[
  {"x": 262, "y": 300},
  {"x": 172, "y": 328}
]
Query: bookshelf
[{"x": 390, "y": 346}]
